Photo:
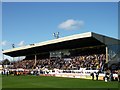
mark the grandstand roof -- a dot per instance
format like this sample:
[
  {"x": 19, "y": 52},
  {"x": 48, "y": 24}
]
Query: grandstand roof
[{"x": 69, "y": 42}]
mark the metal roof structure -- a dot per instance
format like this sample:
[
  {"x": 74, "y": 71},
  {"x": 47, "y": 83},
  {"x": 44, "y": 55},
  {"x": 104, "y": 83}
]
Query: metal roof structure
[{"x": 69, "y": 42}]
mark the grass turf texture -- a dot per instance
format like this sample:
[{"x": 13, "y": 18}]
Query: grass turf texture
[{"x": 53, "y": 82}]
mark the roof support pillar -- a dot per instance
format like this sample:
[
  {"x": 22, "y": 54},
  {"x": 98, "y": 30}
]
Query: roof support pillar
[
  {"x": 106, "y": 54},
  {"x": 13, "y": 59},
  {"x": 35, "y": 60},
  {"x": 2, "y": 56}
]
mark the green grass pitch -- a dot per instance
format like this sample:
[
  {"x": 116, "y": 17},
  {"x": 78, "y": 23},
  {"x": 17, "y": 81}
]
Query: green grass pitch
[{"x": 53, "y": 82}]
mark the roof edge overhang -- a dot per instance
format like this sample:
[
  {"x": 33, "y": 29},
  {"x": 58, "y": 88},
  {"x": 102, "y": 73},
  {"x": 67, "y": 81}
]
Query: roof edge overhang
[
  {"x": 67, "y": 38},
  {"x": 98, "y": 37}
]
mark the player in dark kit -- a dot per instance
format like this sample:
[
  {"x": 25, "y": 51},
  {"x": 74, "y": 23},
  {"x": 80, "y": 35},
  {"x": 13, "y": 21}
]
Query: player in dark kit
[
  {"x": 97, "y": 75},
  {"x": 92, "y": 74}
]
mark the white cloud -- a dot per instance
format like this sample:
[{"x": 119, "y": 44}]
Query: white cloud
[
  {"x": 71, "y": 24},
  {"x": 21, "y": 43},
  {"x": 3, "y": 43}
]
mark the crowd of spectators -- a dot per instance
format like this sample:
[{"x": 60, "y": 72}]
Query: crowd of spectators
[
  {"x": 90, "y": 62},
  {"x": 25, "y": 64}
]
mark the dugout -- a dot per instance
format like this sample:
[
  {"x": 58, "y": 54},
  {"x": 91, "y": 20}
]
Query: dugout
[{"x": 84, "y": 43}]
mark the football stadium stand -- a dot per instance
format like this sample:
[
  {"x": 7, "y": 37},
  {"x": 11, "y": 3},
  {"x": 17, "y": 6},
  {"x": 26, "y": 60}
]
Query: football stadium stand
[{"x": 87, "y": 50}]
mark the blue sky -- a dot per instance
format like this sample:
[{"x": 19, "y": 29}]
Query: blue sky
[{"x": 26, "y": 23}]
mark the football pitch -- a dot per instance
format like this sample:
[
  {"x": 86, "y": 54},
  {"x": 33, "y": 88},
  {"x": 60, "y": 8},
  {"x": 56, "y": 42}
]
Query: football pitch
[{"x": 53, "y": 82}]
